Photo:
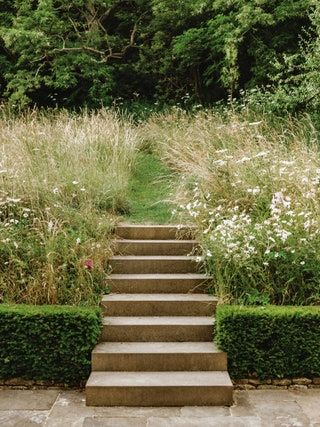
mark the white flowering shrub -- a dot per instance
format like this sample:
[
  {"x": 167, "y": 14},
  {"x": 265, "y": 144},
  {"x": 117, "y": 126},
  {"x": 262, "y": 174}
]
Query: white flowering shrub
[
  {"x": 274, "y": 258},
  {"x": 253, "y": 191},
  {"x": 62, "y": 178}
]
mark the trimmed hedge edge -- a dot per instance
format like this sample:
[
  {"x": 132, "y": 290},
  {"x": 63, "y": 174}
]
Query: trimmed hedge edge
[
  {"x": 271, "y": 341},
  {"x": 49, "y": 343}
]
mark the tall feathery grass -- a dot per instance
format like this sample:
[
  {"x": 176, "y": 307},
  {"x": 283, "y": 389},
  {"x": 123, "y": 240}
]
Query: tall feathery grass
[
  {"x": 63, "y": 178},
  {"x": 253, "y": 191}
]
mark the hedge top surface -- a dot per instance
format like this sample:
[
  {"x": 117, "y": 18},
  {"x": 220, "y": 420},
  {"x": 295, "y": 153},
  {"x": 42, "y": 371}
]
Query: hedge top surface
[
  {"x": 34, "y": 310},
  {"x": 274, "y": 310}
]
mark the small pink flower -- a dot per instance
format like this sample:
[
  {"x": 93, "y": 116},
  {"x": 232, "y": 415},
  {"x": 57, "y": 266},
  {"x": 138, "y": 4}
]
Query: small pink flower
[{"x": 88, "y": 264}]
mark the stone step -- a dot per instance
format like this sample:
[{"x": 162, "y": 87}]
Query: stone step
[
  {"x": 159, "y": 305},
  {"x": 153, "y": 264},
  {"x": 158, "y": 283},
  {"x": 158, "y": 356},
  {"x": 154, "y": 247},
  {"x": 150, "y": 232},
  {"x": 159, "y": 389},
  {"x": 157, "y": 329}
]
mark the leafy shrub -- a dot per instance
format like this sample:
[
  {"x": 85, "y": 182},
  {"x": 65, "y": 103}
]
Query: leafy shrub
[
  {"x": 296, "y": 77},
  {"x": 47, "y": 342},
  {"x": 272, "y": 342}
]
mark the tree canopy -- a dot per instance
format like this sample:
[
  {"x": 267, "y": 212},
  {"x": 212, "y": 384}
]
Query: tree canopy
[{"x": 90, "y": 52}]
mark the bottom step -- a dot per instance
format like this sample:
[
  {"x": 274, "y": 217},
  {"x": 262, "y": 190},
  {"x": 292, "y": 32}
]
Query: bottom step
[{"x": 159, "y": 389}]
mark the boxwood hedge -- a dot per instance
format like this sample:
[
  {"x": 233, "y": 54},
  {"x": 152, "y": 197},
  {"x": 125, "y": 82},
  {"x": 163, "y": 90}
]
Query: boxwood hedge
[
  {"x": 51, "y": 343},
  {"x": 271, "y": 341}
]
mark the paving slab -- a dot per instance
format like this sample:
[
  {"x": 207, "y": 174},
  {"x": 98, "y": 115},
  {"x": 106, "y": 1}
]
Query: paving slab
[
  {"x": 258, "y": 396},
  {"x": 205, "y": 422},
  {"x": 204, "y": 411},
  {"x": 115, "y": 422},
  {"x": 36, "y": 400},
  {"x": 64, "y": 422},
  {"x": 281, "y": 413},
  {"x": 71, "y": 406},
  {"x": 310, "y": 404},
  {"x": 23, "y": 418},
  {"x": 142, "y": 412},
  {"x": 242, "y": 406},
  {"x": 257, "y": 408}
]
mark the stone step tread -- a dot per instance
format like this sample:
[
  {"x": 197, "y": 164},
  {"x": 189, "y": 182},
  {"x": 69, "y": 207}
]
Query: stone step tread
[
  {"x": 154, "y": 258},
  {"x": 156, "y": 348},
  {"x": 160, "y": 276},
  {"x": 157, "y": 242},
  {"x": 156, "y": 226},
  {"x": 157, "y": 320},
  {"x": 159, "y": 297},
  {"x": 150, "y": 232},
  {"x": 159, "y": 379}
]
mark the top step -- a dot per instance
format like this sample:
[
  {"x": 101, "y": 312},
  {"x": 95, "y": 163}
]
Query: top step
[{"x": 154, "y": 232}]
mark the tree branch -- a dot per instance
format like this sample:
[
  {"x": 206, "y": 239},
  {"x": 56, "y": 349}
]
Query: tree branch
[{"x": 105, "y": 55}]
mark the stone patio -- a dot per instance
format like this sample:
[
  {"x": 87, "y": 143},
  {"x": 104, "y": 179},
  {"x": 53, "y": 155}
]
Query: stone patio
[{"x": 56, "y": 408}]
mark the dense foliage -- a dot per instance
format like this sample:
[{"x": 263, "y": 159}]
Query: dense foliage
[
  {"x": 270, "y": 342},
  {"x": 48, "y": 342},
  {"x": 295, "y": 85},
  {"x": 92, "y": 52}
]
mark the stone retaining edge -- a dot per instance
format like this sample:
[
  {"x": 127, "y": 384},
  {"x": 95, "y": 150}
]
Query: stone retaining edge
[
  {"x": 24, "y": 384},
  {"x": 279, "y": 384},
  {"x": 242, "y": 384}
]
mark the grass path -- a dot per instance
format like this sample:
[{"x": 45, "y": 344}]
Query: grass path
[{"x": 149, "y": 191}]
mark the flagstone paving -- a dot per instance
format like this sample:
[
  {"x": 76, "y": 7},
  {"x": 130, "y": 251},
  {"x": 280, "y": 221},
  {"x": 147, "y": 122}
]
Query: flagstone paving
[{"x": 257, "y": 408}]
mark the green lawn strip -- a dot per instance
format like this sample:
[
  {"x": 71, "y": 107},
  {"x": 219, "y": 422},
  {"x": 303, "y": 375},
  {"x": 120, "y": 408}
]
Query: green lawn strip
[{"x": 150, "y": 191}]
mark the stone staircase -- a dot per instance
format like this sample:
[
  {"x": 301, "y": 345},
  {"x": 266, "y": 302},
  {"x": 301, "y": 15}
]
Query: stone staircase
[{"x": 156, "y": 346}]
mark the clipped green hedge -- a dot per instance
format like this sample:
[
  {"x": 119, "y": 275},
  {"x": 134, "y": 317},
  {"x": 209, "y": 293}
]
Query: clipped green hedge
[
  {"x": 271, "y": 341},
  {"x": 51, "y": 343}
]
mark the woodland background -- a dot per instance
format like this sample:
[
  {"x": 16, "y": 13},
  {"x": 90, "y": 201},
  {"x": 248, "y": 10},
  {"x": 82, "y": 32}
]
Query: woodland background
[{"x": 98, "y": 53}]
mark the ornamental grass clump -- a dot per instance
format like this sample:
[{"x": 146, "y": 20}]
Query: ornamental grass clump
[
  {"x": 253, "y": 191},
  {"x": 63, "y": 178}
]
